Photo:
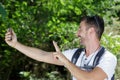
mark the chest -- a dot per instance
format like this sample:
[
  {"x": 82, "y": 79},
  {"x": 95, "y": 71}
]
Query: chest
[{"x": 85, "y": 63}]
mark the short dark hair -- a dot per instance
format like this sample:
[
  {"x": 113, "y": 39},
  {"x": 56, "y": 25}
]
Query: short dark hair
[{"x": 95, "y": 21}]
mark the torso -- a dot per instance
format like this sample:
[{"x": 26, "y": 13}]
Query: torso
[{"x": 88, "y": 61}]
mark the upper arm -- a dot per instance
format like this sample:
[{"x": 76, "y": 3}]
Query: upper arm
[
  {"x": 97, "y": 74},
  {"x": 108, "y": 64},
  {"x": 106, "y": 67}
]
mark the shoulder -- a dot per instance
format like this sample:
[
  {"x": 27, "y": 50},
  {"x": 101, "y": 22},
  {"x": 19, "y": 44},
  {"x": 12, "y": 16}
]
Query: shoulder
[
  {"x": 108, "y": 63},
  {"x": 109, "y": 55},
  {"x": 108, "y": 58}
]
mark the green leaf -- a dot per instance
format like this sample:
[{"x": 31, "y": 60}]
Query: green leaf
[
  {"x": 77, "y": 11},
  {"x": 62, "y": 2},
  {"x": 3, "y": 11}
]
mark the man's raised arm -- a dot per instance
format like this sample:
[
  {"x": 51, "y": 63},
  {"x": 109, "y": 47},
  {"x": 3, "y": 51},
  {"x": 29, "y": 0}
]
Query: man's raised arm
[{"x": 34, "y": 53}]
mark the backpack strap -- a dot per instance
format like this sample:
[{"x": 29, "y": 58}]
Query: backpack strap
[
  {"x": 113, "y": 77},
  {"x": 98, "y": 56},
  {"x": 76, "y": 55}
]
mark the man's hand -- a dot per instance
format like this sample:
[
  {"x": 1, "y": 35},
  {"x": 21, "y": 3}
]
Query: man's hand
[
  {"x": 58, "y": 54},
  {"x": 10, "y": 38}
]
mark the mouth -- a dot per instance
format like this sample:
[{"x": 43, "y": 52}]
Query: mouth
[{"x": 79, "y": 36}]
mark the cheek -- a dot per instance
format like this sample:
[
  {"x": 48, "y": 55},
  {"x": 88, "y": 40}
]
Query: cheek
[
  {"x": 84, "y": 35},
  {"x": 87, "y": 36}
]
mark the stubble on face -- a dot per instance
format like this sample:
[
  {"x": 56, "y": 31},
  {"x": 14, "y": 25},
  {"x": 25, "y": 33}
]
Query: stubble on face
[{"x": 82, "y": 33}]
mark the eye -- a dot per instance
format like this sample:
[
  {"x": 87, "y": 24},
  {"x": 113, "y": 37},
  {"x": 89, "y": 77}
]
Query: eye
[{"x": 79, "y": 27}]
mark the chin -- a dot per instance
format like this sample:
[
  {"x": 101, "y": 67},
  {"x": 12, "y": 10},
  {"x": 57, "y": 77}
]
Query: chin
[{"x": 82, "y": 44}]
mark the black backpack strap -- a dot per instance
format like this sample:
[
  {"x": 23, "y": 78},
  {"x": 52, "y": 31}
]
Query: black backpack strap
[
  {"x": 113, "y": 77},
  {"x": 76, "y": 55},
  {"x": 98, "y": 56}
]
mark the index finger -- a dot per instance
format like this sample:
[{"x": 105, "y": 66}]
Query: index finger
[
  {"x": 9, "y": 30},
  {"x": 56, "y": 46}
]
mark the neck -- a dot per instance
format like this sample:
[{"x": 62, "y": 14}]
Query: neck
[{"x": 92, "y": 47}]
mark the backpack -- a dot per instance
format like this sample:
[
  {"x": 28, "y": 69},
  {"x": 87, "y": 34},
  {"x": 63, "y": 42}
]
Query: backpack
[{"x": 96, "y": 59}]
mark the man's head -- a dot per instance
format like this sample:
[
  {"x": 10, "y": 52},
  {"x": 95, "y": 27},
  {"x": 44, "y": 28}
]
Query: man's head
[{"x": 88, "y": 25}]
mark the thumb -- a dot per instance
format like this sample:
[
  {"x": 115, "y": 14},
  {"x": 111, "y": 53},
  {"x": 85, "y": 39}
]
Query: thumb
[
  {"x": 11, "y": 31},
  {"x": 56, "y": 46}
]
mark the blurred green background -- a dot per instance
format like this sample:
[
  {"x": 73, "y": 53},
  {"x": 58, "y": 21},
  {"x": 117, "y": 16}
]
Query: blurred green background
[{"x": 38, "y": 22}]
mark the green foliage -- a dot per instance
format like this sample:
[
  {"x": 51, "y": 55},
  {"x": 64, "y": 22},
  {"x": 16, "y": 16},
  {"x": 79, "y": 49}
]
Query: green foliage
[
  {"x": 2, "y": 12},
  {"x": 111, "y": 42},
  {"x": 39, "y": 22},
  {"x": 54, "y": 75}
]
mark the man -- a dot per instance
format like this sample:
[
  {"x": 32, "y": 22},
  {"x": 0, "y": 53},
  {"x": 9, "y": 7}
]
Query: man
[{"x": 89, "y": 32}]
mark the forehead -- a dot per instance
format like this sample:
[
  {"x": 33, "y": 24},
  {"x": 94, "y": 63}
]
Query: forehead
[{"x": 83, "y": 24}]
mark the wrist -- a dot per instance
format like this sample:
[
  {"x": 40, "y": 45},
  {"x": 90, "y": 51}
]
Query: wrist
[
  {"x": 66, "y": 63},
  {"x": 14, "y": 45}
]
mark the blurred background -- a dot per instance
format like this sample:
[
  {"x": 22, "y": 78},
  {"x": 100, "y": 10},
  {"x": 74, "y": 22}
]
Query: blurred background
[{"x": 38, "y": 22}]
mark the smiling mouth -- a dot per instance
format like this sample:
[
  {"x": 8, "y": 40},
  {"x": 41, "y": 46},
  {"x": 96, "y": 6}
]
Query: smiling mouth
[{"x": 79, "y": 36}]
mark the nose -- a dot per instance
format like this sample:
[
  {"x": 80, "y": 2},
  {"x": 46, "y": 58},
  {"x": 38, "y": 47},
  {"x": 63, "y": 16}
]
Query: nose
[{"x": 78, "y": 33}]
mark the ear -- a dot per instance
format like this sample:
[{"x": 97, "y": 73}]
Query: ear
[{"x": 91, "y": 30}]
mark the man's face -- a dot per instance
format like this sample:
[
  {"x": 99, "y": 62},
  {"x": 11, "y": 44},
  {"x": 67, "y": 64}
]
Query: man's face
[{"x": 83, "y": 33}]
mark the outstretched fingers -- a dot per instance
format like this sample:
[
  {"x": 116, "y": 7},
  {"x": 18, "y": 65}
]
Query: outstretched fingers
[
  {"x": 9, "y": 31},
  {"x": 56, "y": 54},
  {"x": 56, "y": 47}
]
